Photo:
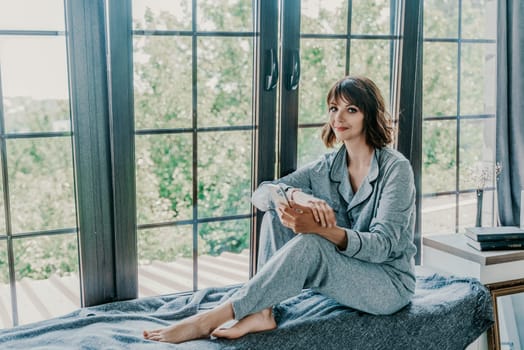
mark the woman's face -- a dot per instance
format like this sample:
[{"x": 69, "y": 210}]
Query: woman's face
[{"x": 347, "y": 121}]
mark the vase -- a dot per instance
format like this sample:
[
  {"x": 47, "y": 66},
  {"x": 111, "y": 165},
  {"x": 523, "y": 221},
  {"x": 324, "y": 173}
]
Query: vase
[{"x": 480, "y": 197}]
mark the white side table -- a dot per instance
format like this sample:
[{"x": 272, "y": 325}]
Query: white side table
[{"x": 451, "y": 255}]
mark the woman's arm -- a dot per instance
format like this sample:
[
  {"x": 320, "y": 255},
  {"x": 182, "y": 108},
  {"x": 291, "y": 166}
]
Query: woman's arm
[{"x": 298, "y": 179}]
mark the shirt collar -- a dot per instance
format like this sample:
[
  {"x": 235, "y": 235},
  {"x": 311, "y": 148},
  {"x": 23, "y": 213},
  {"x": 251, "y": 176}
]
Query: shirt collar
[{"x": 339, "y": 173}]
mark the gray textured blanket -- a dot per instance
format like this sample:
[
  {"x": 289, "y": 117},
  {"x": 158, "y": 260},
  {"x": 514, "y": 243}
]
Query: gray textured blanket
[{"x": 445, "y": 313}]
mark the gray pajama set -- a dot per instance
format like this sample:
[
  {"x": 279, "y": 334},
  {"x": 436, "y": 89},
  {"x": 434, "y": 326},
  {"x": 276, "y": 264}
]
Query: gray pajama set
[{"x": 375, "y": 273}]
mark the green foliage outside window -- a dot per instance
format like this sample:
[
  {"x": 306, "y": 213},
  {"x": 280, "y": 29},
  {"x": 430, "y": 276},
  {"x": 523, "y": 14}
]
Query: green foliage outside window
[{"x": 163, "y": 99}]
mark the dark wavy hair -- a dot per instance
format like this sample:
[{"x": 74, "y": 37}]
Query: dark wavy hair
[{"x": 363, "y": 93}]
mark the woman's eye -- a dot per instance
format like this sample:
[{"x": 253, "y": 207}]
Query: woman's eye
[
  {"x": 352, "y": 110},
  {"x": 332, "y": 109}
]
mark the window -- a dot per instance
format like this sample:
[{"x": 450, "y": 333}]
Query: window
[
  {"x": 38, "y": 234},
  {"x": 194, "y": 127},
  {"x": 459, "y": 94},
  {"x": 336, "y": 39}
]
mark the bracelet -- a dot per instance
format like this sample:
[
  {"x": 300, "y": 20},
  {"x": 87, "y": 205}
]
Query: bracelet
[{"x": 291, "y": 190}]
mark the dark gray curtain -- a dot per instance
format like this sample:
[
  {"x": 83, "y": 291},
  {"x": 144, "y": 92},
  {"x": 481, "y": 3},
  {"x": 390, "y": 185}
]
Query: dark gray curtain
[{"x": 510, "y": 108}]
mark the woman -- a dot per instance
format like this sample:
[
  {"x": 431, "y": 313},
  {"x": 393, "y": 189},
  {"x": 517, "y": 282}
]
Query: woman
[{"x": 347, "y": 232}]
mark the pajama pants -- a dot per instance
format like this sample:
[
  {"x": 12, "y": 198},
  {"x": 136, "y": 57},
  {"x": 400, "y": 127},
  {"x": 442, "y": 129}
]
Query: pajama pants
[{"x": 289, "y": 263}]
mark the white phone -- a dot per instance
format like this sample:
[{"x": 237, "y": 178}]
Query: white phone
[{"x": 278, "y": 195}]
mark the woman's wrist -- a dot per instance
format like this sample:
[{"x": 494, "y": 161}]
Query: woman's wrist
[
  {"x": 290, "y": 192},
  {"x": 336, "y": 235},
  {"x": 302, "y": 198}
]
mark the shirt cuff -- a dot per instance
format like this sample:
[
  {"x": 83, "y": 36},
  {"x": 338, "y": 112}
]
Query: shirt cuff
[{"x": 354, "y": 243}]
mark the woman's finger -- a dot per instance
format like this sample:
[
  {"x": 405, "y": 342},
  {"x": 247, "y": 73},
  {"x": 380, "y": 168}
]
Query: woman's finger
[
  {"x": 326, "y": 214},
  {"x": 314, "y": 211},
  {"x": 330, "y": 216},
  {"x": 320, "y": 212}
]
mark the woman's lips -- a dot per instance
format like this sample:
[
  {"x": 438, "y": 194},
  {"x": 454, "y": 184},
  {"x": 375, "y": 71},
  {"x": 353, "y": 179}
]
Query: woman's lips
[{"x": 340, "y": 129}]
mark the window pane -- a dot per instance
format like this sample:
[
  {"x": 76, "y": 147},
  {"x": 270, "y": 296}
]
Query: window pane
[
  {"x": 165, "y": 262},
  {"x": 440, "y": 79},
  {"x": 39, "y": 176},
  {"x": 163, "y": 178},
  {"x": 478, "y": 81},
  {"x": 372, "y": 58},
  {"x": 310, "y": 145},
  {"x": 169, "y": 95},
  {"x": 225, "y": 79},
  {"x": 328, "y": 17},
  {"x": 32, "y": 103},
  {"x": 27, "y": 14},
  {"x": 438, "y": 156},
  {"x": 477, "y": 153},
  {"x": 41, "y": 184},
  {"x": 438, "y": 215},
  {"x": 479, "y": 19},
  {"x": 441, "y": 19},
  {"x": 224, "y": 173},
  {"x": 162, "y": 82},
  {"x": 233, "y": 15},
  {"x": 224, "y": 253},
  {"x": 323, "y": 62},
  {"x": 475, "y": 104},
  {"x": 162, "y": 14},
  {"x": 371, "y": 17},
  {"x": 6, "y": 315},
  {"x": 47, "y": 276},
  {"x": 24, "y": 114}
]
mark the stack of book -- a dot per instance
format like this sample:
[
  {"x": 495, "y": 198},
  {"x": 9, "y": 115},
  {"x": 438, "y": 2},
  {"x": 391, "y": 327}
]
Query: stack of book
[{"x": 495, "y": 238}]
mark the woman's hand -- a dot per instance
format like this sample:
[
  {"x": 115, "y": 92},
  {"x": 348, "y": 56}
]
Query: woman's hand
[
  {"x": 307, "y": 218},
  {"x": 322, "y": 212},
  {"x": 300, "y": 219}
]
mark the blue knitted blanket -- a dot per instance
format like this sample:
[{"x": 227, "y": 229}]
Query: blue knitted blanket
[{"x": 445, "y": 313}]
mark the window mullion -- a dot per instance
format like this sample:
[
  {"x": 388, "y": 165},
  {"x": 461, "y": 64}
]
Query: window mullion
[
  {"x": 91, "y": 148},
  {"x": 290, "y": 54},
  {"x": 410, "y": 102},
  {"x": 265, "y": 107},
  {"x": 121, "y": 118},
  {"x": 7, "y": 210}
]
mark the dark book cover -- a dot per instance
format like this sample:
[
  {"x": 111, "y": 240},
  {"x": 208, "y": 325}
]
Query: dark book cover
[
  {"x": 482, "y": 234},
  {"x": 496, "y": 245}
]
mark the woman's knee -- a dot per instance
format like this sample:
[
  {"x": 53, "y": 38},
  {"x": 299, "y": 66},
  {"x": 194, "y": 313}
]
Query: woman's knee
[
  {"x": 270, "y": 220},
  {"x": 273, "y": 236},
  {"x": 272, "y": 227}
]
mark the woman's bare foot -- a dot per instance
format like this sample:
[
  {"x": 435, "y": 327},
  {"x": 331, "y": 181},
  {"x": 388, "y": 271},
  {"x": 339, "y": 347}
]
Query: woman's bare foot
[
  {"x": 185, "y": 330},
  {"x": 194, "y": 327},
  {"x": 258, "y": 322}
]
